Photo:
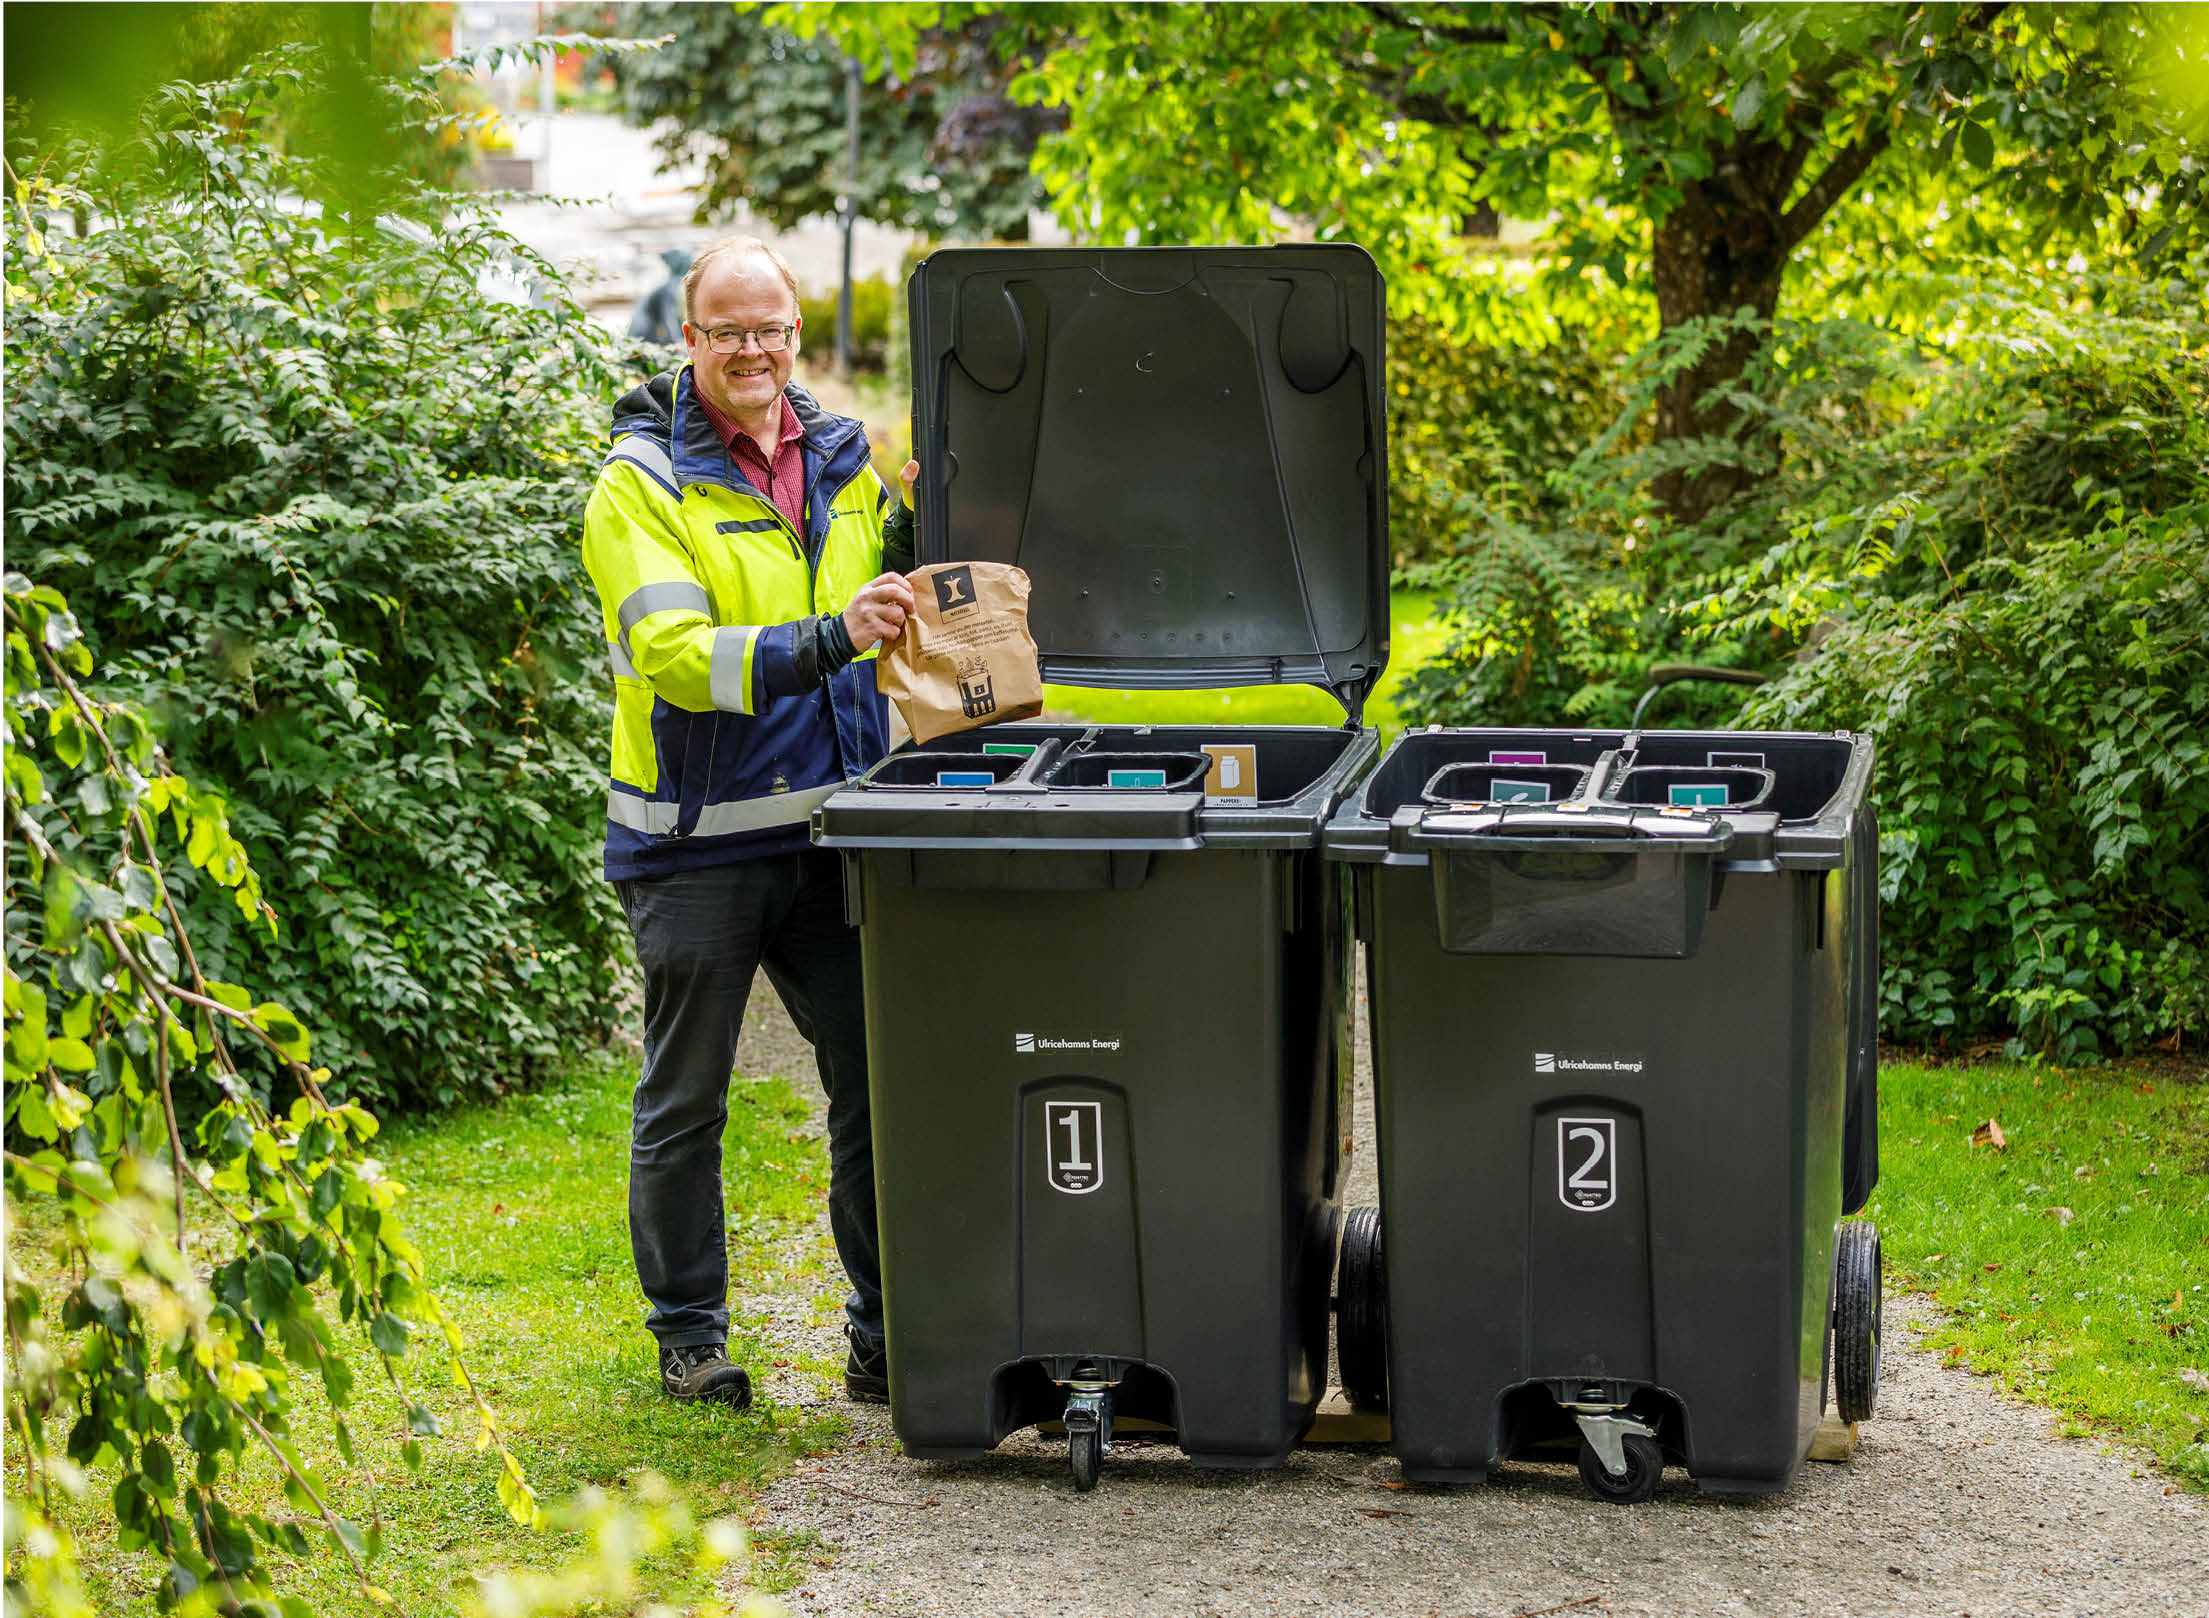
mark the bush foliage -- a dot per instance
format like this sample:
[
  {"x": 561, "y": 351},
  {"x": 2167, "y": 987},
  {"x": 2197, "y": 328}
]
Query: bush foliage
[
  {"x": 169, "y": 1373},
  {"x": 315, "y": 499},
  {"x": 1985, "y": 545}
]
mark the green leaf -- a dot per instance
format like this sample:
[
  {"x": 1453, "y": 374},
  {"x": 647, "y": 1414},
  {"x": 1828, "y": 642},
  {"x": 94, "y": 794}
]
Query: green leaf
[
  {"x": 389, "y": 1333},
  {"x": 29, "y": 1112},
  {"x": 1978, "y": 146},
  {"x": 70, "y": 1055},
  {"x": 1748, "y": 100},
  {"x": 282, "y": 1027}
]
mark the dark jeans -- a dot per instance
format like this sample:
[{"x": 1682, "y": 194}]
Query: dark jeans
[{"x": 700, "y": 935}]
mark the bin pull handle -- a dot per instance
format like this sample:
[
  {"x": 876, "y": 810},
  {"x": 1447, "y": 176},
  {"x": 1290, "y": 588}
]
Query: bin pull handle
[{"x": 1569, "y": 828}]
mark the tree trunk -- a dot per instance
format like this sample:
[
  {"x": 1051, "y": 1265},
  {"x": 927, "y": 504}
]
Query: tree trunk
[{"x": 1712, "y": 256}]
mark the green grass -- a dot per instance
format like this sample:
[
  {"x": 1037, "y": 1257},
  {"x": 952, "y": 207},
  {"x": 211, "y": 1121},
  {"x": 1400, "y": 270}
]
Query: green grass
[
  {"x": 520, "y": 1211},
  {"x": 2072, "y": 1266},
  {"x": 1415, "y": 635}
]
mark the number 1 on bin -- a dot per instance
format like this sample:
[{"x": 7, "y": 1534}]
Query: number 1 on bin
[{"x": 1072, "y": 1134}]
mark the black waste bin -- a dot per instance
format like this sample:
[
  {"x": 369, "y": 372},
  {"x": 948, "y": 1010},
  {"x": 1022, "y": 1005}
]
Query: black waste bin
[
  {"x": 1621, "y": 1037},
  {"x": 1107, "y": 983}
]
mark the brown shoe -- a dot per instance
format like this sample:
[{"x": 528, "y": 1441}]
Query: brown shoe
[{"x": 704, "y": 1372}]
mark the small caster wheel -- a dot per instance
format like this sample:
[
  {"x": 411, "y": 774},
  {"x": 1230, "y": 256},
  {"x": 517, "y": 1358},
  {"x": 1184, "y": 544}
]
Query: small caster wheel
[
  {"x": 1086, "y": 1452},
  {"x": 1644, "y": 1469},
  {"x": 1856, "y": 1312},
  {"x": 1361, "y": 1311}
]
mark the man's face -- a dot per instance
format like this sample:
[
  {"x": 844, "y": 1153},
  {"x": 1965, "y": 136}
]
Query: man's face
[{"x": 743, "y": 290}]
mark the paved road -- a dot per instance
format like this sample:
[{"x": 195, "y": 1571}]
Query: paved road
[{"x": 1957, "y": 1502}]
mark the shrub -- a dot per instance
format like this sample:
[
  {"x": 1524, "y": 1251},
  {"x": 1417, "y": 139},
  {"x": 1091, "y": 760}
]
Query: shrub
[
  {"x": 1477, "y": 428},
  {"x": 2043, "y": 783},
  {"x": 170, "y": 1375},
  {"x": 316, "y": 500},
  {"x": 870, "y": 323}
]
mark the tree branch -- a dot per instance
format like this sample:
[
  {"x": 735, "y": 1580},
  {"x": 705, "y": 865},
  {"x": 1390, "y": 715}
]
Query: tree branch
[
  {"x": 1828, "y": 188},
  {"x": 1395, "y": 18}
]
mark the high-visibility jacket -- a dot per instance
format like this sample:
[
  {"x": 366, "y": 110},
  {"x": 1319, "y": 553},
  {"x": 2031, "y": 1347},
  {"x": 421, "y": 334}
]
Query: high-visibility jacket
[{"x": 725, "y": 733}]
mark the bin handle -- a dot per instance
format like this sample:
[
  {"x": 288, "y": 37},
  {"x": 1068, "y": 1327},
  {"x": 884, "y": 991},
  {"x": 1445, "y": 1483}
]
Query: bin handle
[
  {"x": 1664, "y": 674},
  {"x": 1595, "y": 831}
]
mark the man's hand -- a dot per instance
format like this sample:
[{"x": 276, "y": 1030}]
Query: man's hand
[
  {"x": 876, "y": 615},
  {"x": 907, "y": 476}
]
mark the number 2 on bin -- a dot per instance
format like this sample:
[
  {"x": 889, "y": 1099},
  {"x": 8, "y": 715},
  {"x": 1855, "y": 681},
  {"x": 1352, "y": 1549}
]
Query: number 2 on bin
[{"x": 1587, "y": 1159}]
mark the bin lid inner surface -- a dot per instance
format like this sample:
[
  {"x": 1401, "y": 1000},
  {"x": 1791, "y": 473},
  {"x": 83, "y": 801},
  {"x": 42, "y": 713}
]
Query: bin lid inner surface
[{"x": 1183, "y": 447}]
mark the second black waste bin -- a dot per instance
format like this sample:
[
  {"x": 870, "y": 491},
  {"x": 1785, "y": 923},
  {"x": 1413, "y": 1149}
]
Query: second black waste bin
[
  {"x": 1106, "y": 967},
  {"x": 1617, "y": 1045}
]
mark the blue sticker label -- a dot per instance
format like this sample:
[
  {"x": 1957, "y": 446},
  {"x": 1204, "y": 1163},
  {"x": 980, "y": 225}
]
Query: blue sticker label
[
  {"x": 1013, "y": 749},
  {"x": 1135, "y": 778},
  {"x": 1699, "y": 795},
  {"x": 965, "y": 778},
  {"x": 1502, "y": 791}
]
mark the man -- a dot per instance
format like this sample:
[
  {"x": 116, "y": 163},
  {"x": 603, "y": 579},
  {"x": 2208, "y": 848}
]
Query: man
[{"x": 746, "y": 557}]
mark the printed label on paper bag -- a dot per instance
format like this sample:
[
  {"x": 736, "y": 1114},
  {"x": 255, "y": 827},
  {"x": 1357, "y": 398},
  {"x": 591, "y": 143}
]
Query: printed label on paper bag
[{"x": 1234, "y": 773}]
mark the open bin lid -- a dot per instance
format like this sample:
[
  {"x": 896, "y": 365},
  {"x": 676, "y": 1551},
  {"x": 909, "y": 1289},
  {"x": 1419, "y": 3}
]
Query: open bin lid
[{"x": 1183, "y": 446}]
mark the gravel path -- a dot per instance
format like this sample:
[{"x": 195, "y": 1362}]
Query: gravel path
[{"x": 1957, "y": 1501}]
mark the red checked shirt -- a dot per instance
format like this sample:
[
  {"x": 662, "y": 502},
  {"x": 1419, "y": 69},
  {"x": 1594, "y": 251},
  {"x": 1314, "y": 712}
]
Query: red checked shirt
[{"x": 783, "y": 482}]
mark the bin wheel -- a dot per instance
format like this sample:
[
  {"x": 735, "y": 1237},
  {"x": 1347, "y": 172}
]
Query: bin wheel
[
  {"x": 1856, "y": 1312},
  {"x": 1086, "y": 1452},
  {"x": 1361, "y": 1314},
  {"x": 1644, "y": 1469}
]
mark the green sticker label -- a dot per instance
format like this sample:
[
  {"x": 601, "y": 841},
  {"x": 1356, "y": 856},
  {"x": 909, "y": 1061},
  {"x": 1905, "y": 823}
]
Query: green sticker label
[
  {"x": 1502, "y": 791},
  {"x": 1135, "y": 778},
  {"x": 1012, "y": 749},
  {"x": 1698, "y": 795}
]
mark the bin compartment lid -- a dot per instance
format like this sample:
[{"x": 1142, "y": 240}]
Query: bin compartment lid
[{"x": 1185, "y": 448}]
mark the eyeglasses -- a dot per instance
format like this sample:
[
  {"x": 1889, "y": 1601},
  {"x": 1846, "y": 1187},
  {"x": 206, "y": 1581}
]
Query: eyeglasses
[{"x": 730, "y": 339}]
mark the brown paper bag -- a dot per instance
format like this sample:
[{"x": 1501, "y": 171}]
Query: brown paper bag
[{"x": 966, "y": 657}]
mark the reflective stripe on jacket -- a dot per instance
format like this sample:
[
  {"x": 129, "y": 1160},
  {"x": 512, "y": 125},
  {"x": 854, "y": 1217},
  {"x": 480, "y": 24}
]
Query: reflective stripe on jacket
[{"x": 725, "y": 736}]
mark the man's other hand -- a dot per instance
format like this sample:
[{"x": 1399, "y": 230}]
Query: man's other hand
[
  {"x": 876, "y": 615},
  {"x": 907, "y": 476}
]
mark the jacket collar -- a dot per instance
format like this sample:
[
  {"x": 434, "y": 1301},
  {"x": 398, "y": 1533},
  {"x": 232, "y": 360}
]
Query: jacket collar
[{"x": 668, "y": 405}]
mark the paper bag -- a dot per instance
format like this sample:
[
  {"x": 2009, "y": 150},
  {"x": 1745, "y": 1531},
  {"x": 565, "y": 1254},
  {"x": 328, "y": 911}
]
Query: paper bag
[{"x": 965, "y": 658}]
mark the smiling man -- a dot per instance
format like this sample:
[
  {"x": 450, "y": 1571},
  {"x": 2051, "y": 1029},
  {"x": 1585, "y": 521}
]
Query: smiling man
[{"x": 747, "y": 559}]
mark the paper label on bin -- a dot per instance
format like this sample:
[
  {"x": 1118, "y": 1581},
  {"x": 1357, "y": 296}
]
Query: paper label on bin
[
  {"x": 1518, "y": 758},
  {"x": 1587, "y": 1163},
  {"x": 1503, "y": 791},
  {"x": 1234, "y": 773},
  {"x": 1753, "y": 761},
  {"x": 1135, "y": 778},
  {"x": 1073, "y": 1140},
  {"x": 965, "y": 778},
  {"x": 1012, "y": 749},
  {"x": 1697, "y": 795}
]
